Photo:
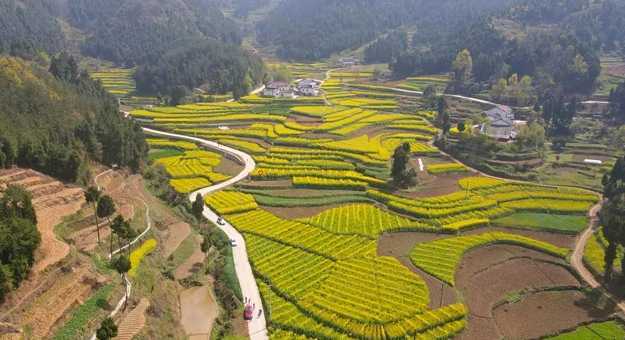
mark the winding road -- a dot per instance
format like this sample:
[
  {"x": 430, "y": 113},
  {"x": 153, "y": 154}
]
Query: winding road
[{"x": 257, "y": 327}]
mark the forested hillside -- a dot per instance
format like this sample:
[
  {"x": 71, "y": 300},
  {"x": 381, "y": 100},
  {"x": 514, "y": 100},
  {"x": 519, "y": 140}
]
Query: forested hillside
[
  {"x": 55, "y": 121},
  {"x": 134, "y": 33},
  {"x": 215, "y": 67},
  {"x": 555, "y": 42},
  {"x": 31, "y": 23},
  {"x": 312, "y": 30},
  {"x": 129, "y": 32}
]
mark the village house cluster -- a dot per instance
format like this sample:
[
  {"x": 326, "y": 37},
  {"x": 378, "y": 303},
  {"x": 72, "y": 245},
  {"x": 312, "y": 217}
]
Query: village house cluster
[{"x": 302, "y": 87}]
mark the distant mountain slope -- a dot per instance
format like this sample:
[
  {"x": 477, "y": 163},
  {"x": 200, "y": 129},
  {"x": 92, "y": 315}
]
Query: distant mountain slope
[
  {"x": 29, "y": 22},
  {"x": 129, "y": 31},
  {"x": 317, "y": 29}
]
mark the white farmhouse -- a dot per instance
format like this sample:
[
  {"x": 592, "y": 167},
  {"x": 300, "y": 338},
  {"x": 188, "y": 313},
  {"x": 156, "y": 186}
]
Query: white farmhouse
[
  {"x": 309, "y": 87},
  {"x": 278, "y": 89}
]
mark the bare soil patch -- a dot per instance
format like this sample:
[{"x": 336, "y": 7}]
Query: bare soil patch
[
  {"x": 189, "y": 266},
  {"x": 304, "y": 119},
  {"x": 275, "y": 184},
  {"x": 198, "y": 312},
  {"x": 228, "y": 167},
  {"x": 504, "y": 269},
  {"x": 442, "y": 184},
  {"x": 175, "y": 234},
  {"x": 545, "y": 313},
  {"x": 560, "y": 240},
  {"x": 299, "y": 212}
]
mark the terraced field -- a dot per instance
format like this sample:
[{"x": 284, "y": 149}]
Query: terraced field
[{"x": 315, "y": 207}]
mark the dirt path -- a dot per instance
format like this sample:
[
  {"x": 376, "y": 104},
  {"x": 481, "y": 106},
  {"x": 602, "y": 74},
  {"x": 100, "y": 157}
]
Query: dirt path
[
  {"x": 53, "y": 250},
  {"x": 198, "y": 312},
  {"x": 133, "y": 322},
  {"x": 578, "y": 254}
]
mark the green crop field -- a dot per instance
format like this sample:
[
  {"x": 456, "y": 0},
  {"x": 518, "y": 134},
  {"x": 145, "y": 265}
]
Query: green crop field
[{"x": 539, "y": 221}]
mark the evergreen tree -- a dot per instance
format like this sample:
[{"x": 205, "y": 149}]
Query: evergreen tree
[
  {"x": 122, "y": 265},
  {"x": 107, "y": 330},
  {"x": 92, "y": 195},
  {"x": 198, "y": 206},
  {"x": 612, "y": 213},
  {"x": 105, "y": 209}
]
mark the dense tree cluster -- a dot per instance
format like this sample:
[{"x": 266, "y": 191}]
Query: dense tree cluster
[
  {"x": 53, "y": 121},
  {"x": 612, "y": 213},
  {"x": 317, "y": 29},
  {"x": 25, "y": 24},
  {"x": 385, "y": 49},
  {"x": 552, "y": 58},
  {"x": 401, "y": 173},
  {"x": 617, "y": 103},
  {"x": 558, "y": 116},
  {"x": 19, "y": 237},
  {"x": 128, "y": 32},
  {"x": 158, "y": 35},
  {"x": 208, "y": 64}
]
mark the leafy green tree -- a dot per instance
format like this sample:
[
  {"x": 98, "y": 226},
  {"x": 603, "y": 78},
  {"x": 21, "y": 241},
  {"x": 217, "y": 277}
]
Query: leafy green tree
[
  {"x": 19, "y": 238},
  {"x": 612, "y": 213},
  {"x": 617, "y": 103},
  {"x": 122, "y": 265},
  {"x": 107, "y": 330},
  {"x": 463, "y": 66},
  {"x": 17, "y": 203},
  {"x": 461, "y": 126},
  {"x": 400, "y": 173},
  {"x": 198, "y": 206},
  {"x": 105, "y": 209},
  {"x": 117, "y": 229},
  {"x": 92, "y": 195},
  {"x": 443, "y": 120},
  {"x": 64, "y": 67},
  {"x": 531, "y": 137},
  {"x": 430, "y": 97}
]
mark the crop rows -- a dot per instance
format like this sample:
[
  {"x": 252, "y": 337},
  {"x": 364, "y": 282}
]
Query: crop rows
[
  {"x": 363, "y": 219},
  {"x": 291, "y": 270},
  {"x": 303, "y": 236},
  {"x": 549, "y": 206},
  {"x": 230, "y": 202},
  {"x": 286, "y": 315},
  {"x": 446, "y": 168},
  {"x": 187, "y": 185},
  {"x": 440, "y": 258},
  {"x": 166, "y": 143},
  {"x": 328, "y": 183},
  {"x": 314, "y": 172},
  {"x": 370, "y": 290}
]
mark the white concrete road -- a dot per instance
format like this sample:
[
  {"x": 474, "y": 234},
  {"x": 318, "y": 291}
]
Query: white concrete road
[
  {"x": 257, "y": 327},
  {"x": 471, "y": 99}
]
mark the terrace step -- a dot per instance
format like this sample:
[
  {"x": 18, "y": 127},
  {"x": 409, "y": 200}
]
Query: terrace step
[{"x": 133, "y": 322}]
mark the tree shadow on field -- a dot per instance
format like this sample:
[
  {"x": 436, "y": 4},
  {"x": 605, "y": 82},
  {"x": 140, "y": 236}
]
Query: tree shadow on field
[{"x": 596, "y": 303}]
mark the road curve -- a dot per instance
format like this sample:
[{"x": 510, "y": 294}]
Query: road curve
[
  {"x": 257, "y": 328},
  {"x": 577, "y": 259}
]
